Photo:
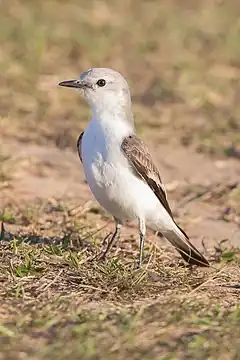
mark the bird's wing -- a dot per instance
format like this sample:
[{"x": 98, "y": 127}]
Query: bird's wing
[
  {"x": 141, "y": 161},
  {"x": 79, "y": 145}
]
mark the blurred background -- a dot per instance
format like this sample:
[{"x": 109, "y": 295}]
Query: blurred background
[{"x": 180, "y": 57}]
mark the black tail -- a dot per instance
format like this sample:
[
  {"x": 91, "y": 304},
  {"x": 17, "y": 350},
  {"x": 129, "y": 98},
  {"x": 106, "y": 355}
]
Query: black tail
[{"x": 180, "y": 241}]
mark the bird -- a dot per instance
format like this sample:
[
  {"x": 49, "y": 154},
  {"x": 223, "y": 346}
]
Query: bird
[{"x": 119, "y": 168}]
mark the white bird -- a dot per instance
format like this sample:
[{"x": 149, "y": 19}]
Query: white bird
[{"x": 118, "y": 166}]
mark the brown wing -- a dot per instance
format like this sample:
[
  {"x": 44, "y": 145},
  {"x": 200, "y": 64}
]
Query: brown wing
[
  {"x": 79, "y": 145},
  {"x": 141, "y": 161}
]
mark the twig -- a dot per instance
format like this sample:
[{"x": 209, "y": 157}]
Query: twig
[
  {"x": 51, "y": 282},
  {"x": 207, "y": 281}
]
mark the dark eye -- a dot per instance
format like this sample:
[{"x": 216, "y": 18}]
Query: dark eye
[{"x": 101, "y": 82}]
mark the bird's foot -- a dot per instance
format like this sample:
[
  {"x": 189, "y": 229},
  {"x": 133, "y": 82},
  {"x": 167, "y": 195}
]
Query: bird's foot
[
  {"x": 137, "y": 265},
  {"x": 102, "y": 256}
]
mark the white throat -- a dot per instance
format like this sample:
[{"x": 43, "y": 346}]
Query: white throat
[
  {"x": 103, "y": 139},
  {"x": 112, "y": 123}
]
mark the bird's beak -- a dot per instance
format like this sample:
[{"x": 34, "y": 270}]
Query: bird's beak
[{"x": 77, "y": 84}]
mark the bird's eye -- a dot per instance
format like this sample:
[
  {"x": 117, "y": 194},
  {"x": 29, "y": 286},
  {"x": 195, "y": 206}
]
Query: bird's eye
[{"x": 101, "y": 82}]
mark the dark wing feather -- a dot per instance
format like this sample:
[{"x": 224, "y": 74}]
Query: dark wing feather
[
  {"x": 141, "y": 160},
  {"x": 79, "y": 145}
]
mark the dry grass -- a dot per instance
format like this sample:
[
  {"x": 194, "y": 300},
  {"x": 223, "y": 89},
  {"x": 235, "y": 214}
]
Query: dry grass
[{"x": 58, "y": 300}]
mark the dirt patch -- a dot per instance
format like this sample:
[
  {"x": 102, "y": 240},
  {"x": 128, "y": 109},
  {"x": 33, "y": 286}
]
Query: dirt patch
[
  {"x": 55, "y": 290},
  {"x": 199, "y": 187}
]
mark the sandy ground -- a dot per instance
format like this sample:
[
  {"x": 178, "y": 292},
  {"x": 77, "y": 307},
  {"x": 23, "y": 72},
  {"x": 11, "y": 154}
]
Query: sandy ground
[{"x": 48, "y": 172}]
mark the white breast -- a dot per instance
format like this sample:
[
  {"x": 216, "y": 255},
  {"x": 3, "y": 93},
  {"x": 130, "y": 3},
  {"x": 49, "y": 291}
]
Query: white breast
[
  {"x": 105, "y": 167},
  {"x": 111, "y": 179}
]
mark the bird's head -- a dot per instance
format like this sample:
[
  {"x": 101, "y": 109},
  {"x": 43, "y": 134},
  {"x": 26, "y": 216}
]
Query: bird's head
[{"x": 102, "y": 88}]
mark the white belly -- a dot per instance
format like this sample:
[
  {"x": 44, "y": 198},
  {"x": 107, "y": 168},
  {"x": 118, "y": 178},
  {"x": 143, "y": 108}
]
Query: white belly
[
  {"x": 119, "y": 191},
  {"x": 116, "y": 187}
]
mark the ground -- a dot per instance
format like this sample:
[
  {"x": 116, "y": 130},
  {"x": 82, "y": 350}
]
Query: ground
[{"x": 181, "y": 59}]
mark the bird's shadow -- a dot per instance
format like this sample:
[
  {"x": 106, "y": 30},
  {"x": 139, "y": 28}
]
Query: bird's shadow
[{"x": 69, "y": 239}]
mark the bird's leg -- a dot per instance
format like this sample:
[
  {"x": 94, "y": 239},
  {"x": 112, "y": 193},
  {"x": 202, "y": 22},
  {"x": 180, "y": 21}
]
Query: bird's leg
[
  {"x": 114, "y": 237},
  {"x": 106, "y": 238},
  {"x": 142, "y": 233}
]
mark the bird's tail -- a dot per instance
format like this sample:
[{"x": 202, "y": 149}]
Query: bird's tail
[{"x": 180, "y": 241}]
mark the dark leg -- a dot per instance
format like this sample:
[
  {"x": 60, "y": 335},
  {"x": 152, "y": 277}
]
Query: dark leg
[
  {"x": 114, "y": 237},
  {"x": 105, "y": 240},
  {"x": 142, "y": 232}
]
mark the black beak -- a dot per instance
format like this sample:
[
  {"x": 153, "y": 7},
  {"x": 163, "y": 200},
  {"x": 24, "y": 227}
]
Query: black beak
[{"x": 77, "y": 84}]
